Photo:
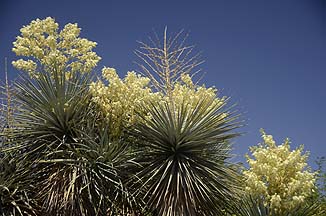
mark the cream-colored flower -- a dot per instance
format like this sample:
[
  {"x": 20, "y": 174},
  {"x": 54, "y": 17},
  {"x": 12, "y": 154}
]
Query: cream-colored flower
[
  {"x": 45, "y": 47},
  {"x": 121, "y": 99},
  {"x": 279, "y": 174}
]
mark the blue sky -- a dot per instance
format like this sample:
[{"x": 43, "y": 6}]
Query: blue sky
[{"x": 269, "y": 56}]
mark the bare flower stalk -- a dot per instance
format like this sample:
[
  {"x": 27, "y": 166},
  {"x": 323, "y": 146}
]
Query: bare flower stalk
[
  {"x": 9, "y": 111},
  {"x": 7, "y": 105},
  {"x": 165, "y": 61}
]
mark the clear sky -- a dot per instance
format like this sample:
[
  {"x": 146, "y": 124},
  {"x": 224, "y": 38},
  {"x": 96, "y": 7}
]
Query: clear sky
[{"x": 269, "y": 56}]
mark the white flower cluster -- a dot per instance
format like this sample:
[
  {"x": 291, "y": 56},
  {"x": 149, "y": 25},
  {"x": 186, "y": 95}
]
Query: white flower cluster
[
  {"x": 279, "y": 175},
  {"x": 47, "y": 48},
  {"x": 189, "y": 94},
  {"x": 122, "y": 98}
]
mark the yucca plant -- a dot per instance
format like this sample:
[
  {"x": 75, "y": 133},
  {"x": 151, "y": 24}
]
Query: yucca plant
[
  {"x": 184, "y": 152},
  {"x": 75, "y": 167}
]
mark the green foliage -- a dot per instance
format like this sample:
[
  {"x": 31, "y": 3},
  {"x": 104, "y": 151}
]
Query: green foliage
[
  {"x": 184, "y": 152},
  {"x": 77, "y": 169},
  {"x": 73, "y": 164},
  {"x": 16, "y": 186}
]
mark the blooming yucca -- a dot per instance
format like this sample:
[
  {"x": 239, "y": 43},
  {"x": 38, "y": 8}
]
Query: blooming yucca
[
  {"x": 69, "y": 138},
  {"x": 118, "y": 101},
  {"x": 47, "y": 47},
  {"x": 278, "y": 175},
  {"x": 122, "y": 100},
  {"x": 189, "y": 94}
]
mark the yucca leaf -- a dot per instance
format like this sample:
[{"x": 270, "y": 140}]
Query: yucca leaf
[{"x": 184, "y": 159}]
